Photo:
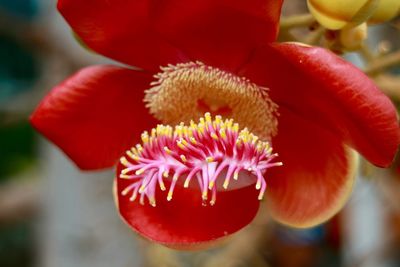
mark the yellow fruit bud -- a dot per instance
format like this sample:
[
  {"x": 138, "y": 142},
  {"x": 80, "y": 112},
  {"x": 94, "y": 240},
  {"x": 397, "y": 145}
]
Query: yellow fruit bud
[
  {"x": 387, "y": 9},
  {"x": 352, "y": 38},
  {"x": 337, "y": 14}
]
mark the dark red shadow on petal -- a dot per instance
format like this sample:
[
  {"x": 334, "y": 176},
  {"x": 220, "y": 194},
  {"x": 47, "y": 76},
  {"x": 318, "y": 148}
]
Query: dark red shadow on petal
[
  {"x": 317, "y": 174},
  {"x": 121, "y": 30},
  {"x": 218, "y": 33},
  {"x": 96, "y": 114},
  {"x": 184, "y": 222},
  {"x": 323, "y": 88}
]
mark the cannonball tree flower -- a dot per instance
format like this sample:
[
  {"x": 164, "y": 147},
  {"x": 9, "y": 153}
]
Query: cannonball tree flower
[{"x": 191, "y": 132}]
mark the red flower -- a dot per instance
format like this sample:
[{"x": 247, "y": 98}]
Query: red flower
[{"x": 326, "y": 106}]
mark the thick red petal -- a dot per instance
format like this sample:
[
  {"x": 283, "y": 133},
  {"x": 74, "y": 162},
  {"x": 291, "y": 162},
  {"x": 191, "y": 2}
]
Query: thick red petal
[
  {"x": 317, "y": 174},
  {"x": 121, "y": 30},
  {"x": 96, "y": 114},
  {"x": 218, "y": 33},
  {"x": 331, "y": 92},
  {"x": 184, "y": 222}
]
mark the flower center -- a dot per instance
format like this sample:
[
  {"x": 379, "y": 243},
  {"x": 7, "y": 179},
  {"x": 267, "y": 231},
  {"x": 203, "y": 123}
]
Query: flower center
[
  {"x": 212, "y": 151},
  {"x": 186, "y": 91}
]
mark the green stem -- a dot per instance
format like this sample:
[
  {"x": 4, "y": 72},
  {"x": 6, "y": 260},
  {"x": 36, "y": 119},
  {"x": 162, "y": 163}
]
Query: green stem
[
  {"x": 381, "y": 63},
  {"x": 303, "y": 20}
]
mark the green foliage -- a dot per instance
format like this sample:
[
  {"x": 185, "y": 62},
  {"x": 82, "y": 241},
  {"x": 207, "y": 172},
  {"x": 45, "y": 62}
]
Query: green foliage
[{"x": 16, "y": 147}]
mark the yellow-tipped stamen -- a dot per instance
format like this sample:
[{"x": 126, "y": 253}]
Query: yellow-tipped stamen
[
  {"x": 140, "y": 171},
  {"x": 124, "y": 161},
  {"x": 209, "y": 150}
]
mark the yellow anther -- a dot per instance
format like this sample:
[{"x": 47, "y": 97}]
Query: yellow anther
[
  {"x": 169, "y": 196},
  {"x": 222, "y": 133},
  {"x": 201, "y": 128},
  {"x": 268, "y": 150},
  {"x": 125, "y": 191},
  {"x": 140, "y": 171},
  {"x": 165, "y": 174},
  {"x": 179, "y": 143},
  {"x": 124, "y": 176},
  {"x": 193, "y": 125},
  {"x": 218, "y": 119},
  {"x": 133, "y": 197},
  {"x": 207, "y": 116},
  {"x": 152, "y": 202},
  {"x": 239, "y": 142},
  {"x": 226, "y": 183},
  {"x": 131, "y": 155},
  {"x": 260, "y": 147},
  {"x": 185, "y": 130},
  {"x": 166, "y": 149},
  {"x": 183, "y": 158},
  {"x": 153, "y": 132},
  {"x": 214, "y": 136},
  {"x": 209, "y": 159},
  {"x": 125, "y": 171},
  {"x": 184, "y": 142},
  {"x": 258, "y": 185},
  {"x": 124, "y": 161},
  {"x": 211, "y": 184},
  {"x": 186, "y": 184},
  {"x": 193, "y": 140},
  {"x": 236, "y": 175},
  {"x": 139, "y": 148},
  {"x": 134, "y": 151},
  {"x": 162, "y": 186},
  {"x": 142, "y": 188},
  {"x": 145, "y": 137},
  {"x": 229, "y": 123}
]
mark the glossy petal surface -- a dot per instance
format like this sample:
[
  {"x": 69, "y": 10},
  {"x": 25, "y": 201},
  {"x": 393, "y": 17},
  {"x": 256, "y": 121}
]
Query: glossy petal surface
[
  {"x": 184, "y": 222},
  {"x": 316, "y": 178},
  {"x": 332, "y": 93},
  {"x": 121, "y": 30},
  {"x": 151, "y": 33},
  {"x": 95, "y": 115},
  {"x": 219, "y": 33}
]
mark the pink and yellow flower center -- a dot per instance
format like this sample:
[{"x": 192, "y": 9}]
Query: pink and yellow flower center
[
  {"x": 185, "y": 91},
  {"x": 213, "y": 152}
]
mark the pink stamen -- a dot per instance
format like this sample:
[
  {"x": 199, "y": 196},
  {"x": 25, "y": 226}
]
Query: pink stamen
[{"x": 204, "y": 150}]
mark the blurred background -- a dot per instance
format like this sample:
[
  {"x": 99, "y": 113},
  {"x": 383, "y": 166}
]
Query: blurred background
[{"x": 51, "y": 214}]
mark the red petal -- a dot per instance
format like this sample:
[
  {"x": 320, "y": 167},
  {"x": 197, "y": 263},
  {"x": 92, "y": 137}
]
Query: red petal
[
  {"x": 331, "y": 92},
  {"x": 218, "y": 33},
  {"x": 121, "y": 30},
  {"x": 184, "y": 222},
  {"x": 317, "y": 174},
  {"x": 95, "y": 115}
]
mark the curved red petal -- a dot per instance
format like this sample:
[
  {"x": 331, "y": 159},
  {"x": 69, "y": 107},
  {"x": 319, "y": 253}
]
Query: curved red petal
[
  {"x": 95, "y": 115},
  {"x": 121, "y": 30},
  {"x": 184, "y": 222},
  {"x": 317, "y": 175},
  {"x": 218, "y": 33},
  {"x": 331, "y": 92}
]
